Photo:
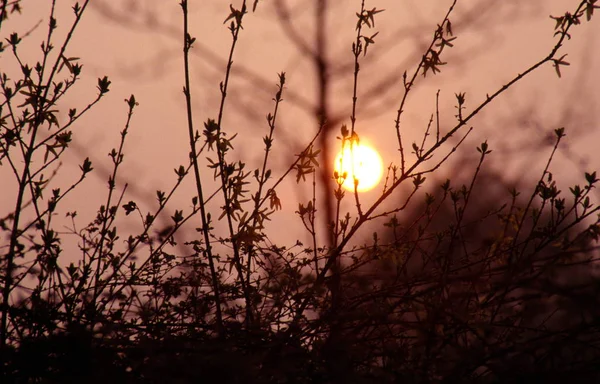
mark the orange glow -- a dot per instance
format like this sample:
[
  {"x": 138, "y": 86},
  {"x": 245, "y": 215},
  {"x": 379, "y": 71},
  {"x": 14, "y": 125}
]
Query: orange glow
[{"x": 361, "y": 162}]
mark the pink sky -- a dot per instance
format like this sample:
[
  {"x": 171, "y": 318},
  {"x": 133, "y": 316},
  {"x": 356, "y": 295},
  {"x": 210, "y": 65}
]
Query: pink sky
[{"x": 137, "y": 45}]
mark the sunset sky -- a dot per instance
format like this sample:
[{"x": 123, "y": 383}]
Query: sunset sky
[{"x": 137, "y": 44}]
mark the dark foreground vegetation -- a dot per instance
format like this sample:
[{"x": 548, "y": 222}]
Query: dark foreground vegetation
[{"x": 470, "y": 279}]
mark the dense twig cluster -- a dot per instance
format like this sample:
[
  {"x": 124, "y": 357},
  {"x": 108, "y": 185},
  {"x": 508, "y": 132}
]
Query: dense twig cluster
[{"x": 454, "y": 285}]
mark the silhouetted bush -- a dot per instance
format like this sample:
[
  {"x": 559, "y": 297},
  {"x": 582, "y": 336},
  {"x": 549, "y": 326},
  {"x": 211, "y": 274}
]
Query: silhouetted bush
[{"x": 466, "y": 280}]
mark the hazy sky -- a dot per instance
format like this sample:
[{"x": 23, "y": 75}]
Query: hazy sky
[{"x": 138, "y": 45}]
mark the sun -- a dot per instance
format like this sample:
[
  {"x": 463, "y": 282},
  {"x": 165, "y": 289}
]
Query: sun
[{"x": 359, "y": 161}]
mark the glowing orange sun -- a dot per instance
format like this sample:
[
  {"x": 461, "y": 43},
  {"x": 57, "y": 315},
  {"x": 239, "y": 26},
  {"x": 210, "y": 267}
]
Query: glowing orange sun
[{"x": 361, "y": 162}]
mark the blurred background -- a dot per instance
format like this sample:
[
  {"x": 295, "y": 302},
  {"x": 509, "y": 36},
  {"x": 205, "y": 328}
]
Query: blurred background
[{"x": 138, "y": 45}]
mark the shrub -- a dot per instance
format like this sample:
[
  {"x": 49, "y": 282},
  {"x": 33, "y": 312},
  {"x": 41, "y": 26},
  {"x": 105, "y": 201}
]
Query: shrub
[{"x": 460, "y": 281}]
